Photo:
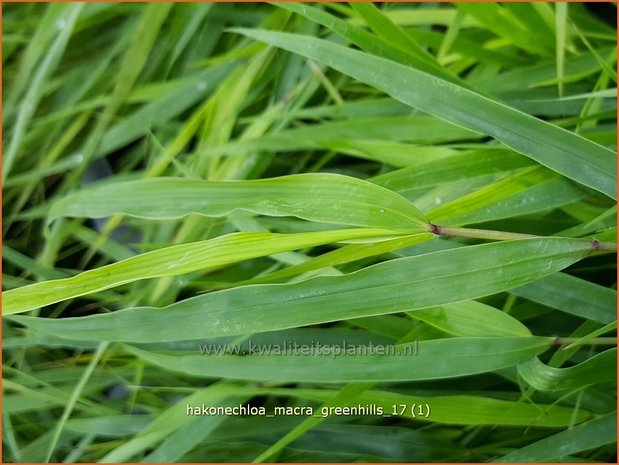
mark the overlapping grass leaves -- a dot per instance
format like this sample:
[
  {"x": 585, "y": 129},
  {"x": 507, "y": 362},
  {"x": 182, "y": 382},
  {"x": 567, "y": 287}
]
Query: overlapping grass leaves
[
  {"x": 558, "y": 149},
  {"x": 186, "y": 104},
  {"x": 393, "y": 286},
  {"x": 328, "y": 198},
  {"x": 174, "y": 261}
]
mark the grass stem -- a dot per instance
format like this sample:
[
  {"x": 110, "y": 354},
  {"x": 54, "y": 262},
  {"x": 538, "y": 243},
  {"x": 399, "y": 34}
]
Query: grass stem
[
  {"x": 505, "y": 236},
  {"x": 598, "y": 341}
]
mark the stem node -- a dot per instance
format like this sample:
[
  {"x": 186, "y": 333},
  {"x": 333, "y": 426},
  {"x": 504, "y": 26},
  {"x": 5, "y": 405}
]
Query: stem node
[{"x": 435, "y": 229}]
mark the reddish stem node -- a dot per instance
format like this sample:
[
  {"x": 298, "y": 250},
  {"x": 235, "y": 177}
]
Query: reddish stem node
[{"x": 434, "y": 229}]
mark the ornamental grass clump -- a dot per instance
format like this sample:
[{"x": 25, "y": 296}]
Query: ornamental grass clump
[{"x": 309, "y": 232}]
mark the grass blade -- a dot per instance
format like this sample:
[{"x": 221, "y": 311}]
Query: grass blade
[
  {"x": 167, "y": 423},
  {"x": 405, "y": 284},
  {"x": 600, "y": 368},
  {"x": 408, "y": 53},
  {"x": 75, "y": 394},
  {"x": 133, "y": 62},
  {"x": 561, "y": 26},
  {"x": 435, "y": 359},
  {"x": 585, "y": 436},
  {"x": 307, "y": 424},
  {"x": 35, "y": 90},
  {"x": 452, "y": 409},
  {"x": 560, "y": 150},
  {"x": 172, "y": 261},
  {"x": 573, "y": 295},
  {"x": 326, "y": 198},
  {"x": 471, "y": 319}
]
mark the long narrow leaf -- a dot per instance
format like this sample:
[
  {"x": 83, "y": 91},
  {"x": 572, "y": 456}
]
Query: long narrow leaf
[
  {"x": 451, "y": 409},
  {"x": 472, "y": 318},
  {"x": 172, "y": 261},
  {"x": 565, "y": 152},
  {"x": 327, "y": 198},
  {"x": 585, "y": 436},
  {"x": 598, "y": 369},
  {"x": 397, "y": 285},
  {"x": 573, "y": 295},
  {"x": 436, "y": 359}
]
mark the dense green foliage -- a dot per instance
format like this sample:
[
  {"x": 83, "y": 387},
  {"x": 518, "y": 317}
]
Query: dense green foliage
[{"x": 436, "y": 179}]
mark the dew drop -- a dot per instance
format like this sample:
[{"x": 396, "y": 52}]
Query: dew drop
[
  {"x": 201, "y": 86},
  {"x": 382, "y": 210},
  {"x": 61, "y": 24}
]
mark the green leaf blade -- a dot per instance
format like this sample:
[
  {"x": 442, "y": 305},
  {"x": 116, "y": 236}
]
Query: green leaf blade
[
  {"x": 327, "y": 198},
  {"x": 435, "y": 359},
  {"x": 594, "y": 433},
  {"x": 398, "y": 285},
  {"x": 560, "y": 150},
  {"x": 600, "y": 368},
  {"x": 172, "y": 261}
]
